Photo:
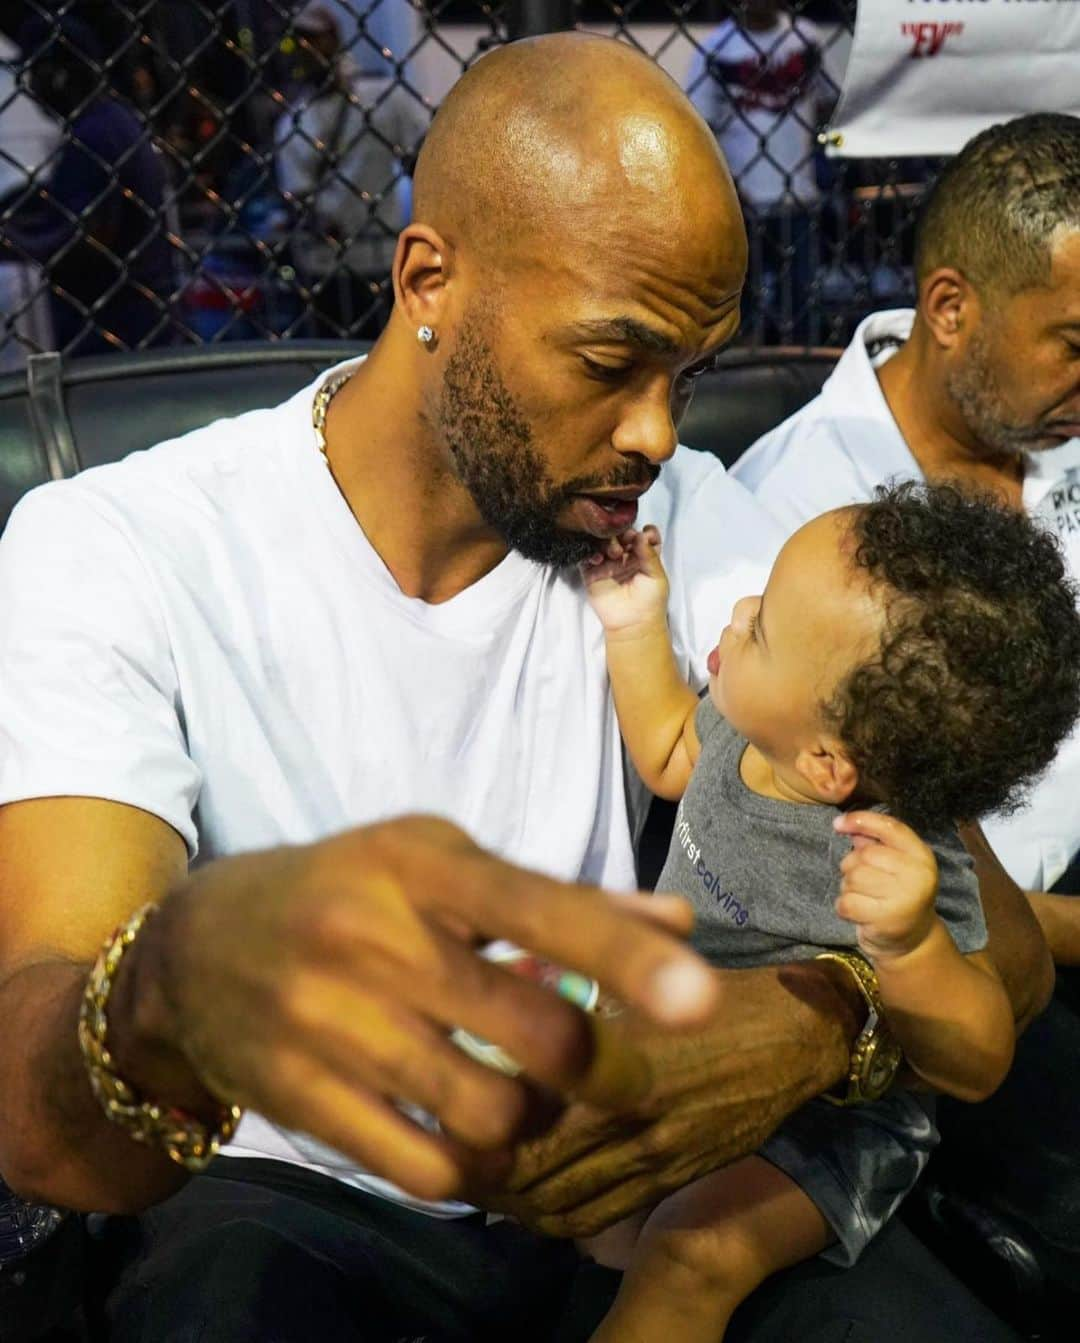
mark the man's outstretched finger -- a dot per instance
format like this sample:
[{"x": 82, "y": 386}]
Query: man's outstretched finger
[
  {"x": 548, "y": 1038},
  {"x": 666, "y": 909},
  {"x": 581, "y": 928}
]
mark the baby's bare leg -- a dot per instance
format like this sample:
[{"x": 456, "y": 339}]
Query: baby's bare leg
[
  {"x": 614, "y": 1247},
  {"x": 705, "y": 1249}
]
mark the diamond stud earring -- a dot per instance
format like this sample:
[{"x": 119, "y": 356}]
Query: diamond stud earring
[{"x": 425, "y": 335}]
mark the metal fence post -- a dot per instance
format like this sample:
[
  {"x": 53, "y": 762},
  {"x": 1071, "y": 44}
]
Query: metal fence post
[{"x": 528, "y": 18}]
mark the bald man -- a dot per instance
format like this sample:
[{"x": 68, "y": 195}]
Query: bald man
[{"x": 339, "y": 651}]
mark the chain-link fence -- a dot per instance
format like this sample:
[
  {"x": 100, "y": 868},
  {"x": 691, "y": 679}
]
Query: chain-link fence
[{"x": 203, "y": 170}]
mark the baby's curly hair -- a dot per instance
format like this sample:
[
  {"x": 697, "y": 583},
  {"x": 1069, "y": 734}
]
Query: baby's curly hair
[{"x": 977, "y": 679}]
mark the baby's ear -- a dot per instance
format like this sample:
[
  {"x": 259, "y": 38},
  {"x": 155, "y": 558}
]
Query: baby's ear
[{"x": 829, "y": 770}]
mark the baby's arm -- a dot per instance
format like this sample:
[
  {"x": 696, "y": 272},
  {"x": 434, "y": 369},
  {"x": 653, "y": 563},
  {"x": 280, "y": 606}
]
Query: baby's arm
[
  {"x": 949, "y": 1011},
  {"x": 628, "y": 590}
]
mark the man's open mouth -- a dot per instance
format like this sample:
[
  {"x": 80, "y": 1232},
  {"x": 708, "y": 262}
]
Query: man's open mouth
[{"x": 609, "y": 513}]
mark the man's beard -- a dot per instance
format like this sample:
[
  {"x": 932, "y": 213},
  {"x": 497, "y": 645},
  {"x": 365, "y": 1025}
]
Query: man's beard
[
  {"x": 976, "y": 393},
  {"x": 494, "y": 455}
]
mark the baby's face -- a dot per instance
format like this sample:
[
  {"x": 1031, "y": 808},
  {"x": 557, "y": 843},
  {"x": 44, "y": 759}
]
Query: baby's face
[{"x": 785, "y": 652}]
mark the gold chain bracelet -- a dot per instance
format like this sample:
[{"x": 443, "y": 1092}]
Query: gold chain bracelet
[{"x": 185, "y": 1138}]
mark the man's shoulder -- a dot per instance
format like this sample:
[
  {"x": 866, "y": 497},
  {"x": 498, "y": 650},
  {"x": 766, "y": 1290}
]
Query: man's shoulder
[
  {"x": 804, "y": 435},
  {"x": 197, "y": 481},
  {"x": 695, "y": 487},
  {"x": 840, "y": 445},
  {"x": 802, "y": 467}
]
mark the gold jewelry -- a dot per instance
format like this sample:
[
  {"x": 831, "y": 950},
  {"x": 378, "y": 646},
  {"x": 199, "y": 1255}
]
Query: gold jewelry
[
  {"x": 321, "y": 404},
  {"x": 875, "y": 1056},
  {"x": 187, "y": 1140}
]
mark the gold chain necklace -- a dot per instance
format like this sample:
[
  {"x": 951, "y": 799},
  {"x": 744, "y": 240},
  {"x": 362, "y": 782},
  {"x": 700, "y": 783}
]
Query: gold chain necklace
[{"x": 321, "y": 405}]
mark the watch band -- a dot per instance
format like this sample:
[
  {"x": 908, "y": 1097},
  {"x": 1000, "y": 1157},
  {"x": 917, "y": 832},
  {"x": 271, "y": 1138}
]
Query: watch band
[
  {"x": 186, "y": 1139},
  {"x": 875, "y": 1056}
]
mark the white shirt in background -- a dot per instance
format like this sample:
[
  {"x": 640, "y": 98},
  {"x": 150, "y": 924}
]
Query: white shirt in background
[
  {"x": 759, "y": 91},
  {"x": 29, "y": 136},
  {"x": 364, "y": 196},
  {"x": 203, "y": 631},
  {"x": 842, "y": 445}
]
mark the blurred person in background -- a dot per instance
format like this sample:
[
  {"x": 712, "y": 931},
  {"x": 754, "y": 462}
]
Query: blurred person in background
[
  {"x": 96, "y": 225},
  {"x": 342, "y": 155},
  {"x": 757, "y": 81},
  {"x": 28, "y": 137}
]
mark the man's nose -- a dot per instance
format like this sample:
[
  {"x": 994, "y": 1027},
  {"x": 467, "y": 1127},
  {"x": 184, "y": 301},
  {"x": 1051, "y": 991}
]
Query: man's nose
[{"x": 646, "y": 428}]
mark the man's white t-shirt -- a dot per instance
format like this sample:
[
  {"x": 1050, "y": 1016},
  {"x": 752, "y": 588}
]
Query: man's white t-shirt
[
  {"x": 842, "y": 445},
  {"x": 203, "y": 631},
  {"x": 759, "y": 91}
]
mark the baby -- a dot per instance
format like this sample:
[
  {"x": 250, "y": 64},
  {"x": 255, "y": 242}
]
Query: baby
[{"x": 911, "y": 664}]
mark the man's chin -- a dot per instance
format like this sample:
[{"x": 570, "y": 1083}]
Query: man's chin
[{"x": 557, "y": 548}]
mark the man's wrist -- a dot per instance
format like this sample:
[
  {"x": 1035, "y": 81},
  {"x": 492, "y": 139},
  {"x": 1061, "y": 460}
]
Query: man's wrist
[
  {"x": 144, "y": 1029},
  {"x": 154, "y": 1120},
  {"x": 836, "y": 1013}
]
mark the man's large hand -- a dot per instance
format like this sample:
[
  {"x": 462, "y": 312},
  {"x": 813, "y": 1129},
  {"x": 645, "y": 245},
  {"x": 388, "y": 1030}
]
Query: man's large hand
[
  {"x": 779, "y": 1036},
  {"x": 318, "y": 985}
]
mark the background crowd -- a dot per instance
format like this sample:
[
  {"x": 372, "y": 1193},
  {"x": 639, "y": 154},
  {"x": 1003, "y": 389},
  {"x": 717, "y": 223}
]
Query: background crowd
[{"x": 200, "y": 171}]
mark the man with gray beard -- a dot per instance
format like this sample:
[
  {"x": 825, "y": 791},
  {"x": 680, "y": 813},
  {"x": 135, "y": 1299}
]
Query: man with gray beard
[{"x": 981, "y": 383}]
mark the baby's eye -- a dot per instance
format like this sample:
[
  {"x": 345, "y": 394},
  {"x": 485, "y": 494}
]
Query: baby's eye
[{"x": 751, "y": 627}]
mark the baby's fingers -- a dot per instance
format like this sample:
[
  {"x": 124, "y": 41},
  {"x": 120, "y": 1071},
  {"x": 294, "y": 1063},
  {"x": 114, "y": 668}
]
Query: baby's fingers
[
  {"x": 858, "y": 907},
  {"x": 873, "y": 858},
  {"x": 597, "y": 569},
  {"x": 887, "y": 830},
  {"x": 874, "y": 885}
]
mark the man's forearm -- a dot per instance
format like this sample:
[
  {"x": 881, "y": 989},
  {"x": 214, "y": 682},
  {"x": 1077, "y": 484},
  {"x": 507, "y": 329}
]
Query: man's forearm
[
  {"x": 1016, "y": 942},
  {"x": 781, "y": 1035},
  {"x": 830, "y": 1011},
  {"x": 56, "y": 1144},
  {"x": 1059, "y": 919}
]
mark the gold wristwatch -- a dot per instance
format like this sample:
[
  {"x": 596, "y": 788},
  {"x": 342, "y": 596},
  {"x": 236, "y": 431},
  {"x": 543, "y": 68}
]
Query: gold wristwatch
[
  {"x": 186, "y": 1139},
  {"x": 875, "y": 1055}
]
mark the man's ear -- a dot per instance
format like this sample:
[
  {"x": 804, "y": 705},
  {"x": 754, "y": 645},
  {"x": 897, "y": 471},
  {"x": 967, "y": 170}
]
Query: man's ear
[
  {"x": 829, "y": 770},
  {"x": 949, "y": 306},
  {"x": 423, "y": 265}
]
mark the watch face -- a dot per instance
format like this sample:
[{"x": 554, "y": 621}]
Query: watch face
[{"x": 883, "y": 1058}]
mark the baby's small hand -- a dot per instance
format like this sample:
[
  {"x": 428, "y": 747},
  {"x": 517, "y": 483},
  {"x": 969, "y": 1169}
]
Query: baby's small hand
[
  {"x": 625, "y": 581},
  {"x": 890, "y": 881}
]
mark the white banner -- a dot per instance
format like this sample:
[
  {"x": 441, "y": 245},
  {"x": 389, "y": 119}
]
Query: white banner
[{"x": 926, "y": 75}]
